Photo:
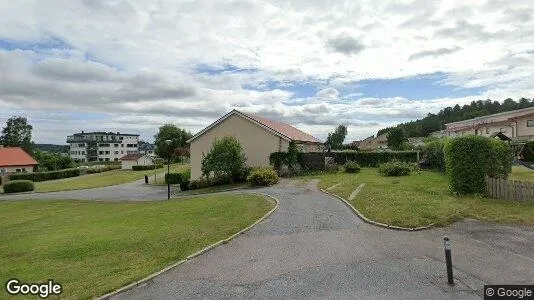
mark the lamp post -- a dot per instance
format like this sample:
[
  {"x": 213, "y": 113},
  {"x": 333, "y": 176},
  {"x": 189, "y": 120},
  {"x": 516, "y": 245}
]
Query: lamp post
[{"x": 168, "y": 142}]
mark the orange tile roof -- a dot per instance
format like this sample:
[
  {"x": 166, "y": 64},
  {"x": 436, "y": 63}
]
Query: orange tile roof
[
  {"x": 135, "y": 156},
  {"x": 284, "y": 129},
  {"x": 15, "y": 156}
]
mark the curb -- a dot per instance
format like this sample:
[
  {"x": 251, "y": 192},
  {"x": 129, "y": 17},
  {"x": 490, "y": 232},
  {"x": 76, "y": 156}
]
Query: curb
[
  {"x": 206, "y": 249},
  {"x": 367, "y": 220}
]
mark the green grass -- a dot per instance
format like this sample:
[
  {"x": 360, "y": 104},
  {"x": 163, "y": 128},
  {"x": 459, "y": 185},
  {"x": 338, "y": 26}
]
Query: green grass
[
  {"x": 214, "y": 189},
  {"x": 520, "y": 173},
  {"x": 99, "y": 180},
  {"x": 421, "y": 199},
  {"x": 92, "y": 248}
]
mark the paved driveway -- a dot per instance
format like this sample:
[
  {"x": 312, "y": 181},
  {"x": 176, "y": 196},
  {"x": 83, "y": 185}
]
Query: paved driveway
[{"x": 313, "y": 246}]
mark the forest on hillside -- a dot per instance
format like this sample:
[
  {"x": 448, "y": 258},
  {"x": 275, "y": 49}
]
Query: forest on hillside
[{"x": 434, "y": 122}]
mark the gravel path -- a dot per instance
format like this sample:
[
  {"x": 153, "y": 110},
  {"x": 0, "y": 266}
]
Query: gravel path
[{"x": 313, "y": 246}]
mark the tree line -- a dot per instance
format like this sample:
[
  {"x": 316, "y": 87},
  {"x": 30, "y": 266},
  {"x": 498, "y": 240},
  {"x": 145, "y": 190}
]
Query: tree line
[{"x": 434, "y": 122}]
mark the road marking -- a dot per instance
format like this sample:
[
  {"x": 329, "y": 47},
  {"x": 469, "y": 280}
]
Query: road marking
[
  {"x": 356, "y": 191},
  {"x": 333, "y": 187}
]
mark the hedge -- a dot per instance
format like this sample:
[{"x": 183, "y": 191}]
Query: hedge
[
  {"x": 44, "y": 176},
  {"x": 373, "y": 159},
  {"x": 174, "y": 178},
  {"x": 262, "y": 177},
  {"x": 17, "y": 186},
  {"x": 315, "y": 160},
  {"x": 351, "y": 167},
  {"x": 148, "y": 167},
  {"x": 433, "y": 154},
  {"x": 103, "y": 169},
  {"x": 469, "y": 158}
]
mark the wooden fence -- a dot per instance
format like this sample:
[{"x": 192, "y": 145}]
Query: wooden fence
[{"x": 510, "y": 190}]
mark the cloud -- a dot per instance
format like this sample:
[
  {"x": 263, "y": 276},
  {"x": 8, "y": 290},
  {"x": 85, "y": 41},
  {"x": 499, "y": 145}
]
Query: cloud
[
  {"x": 139, "y": 60},
  {"x": 345, "y": 44},
  {"x": 328, "y": 94},
  {"x": 434, "y": 53}
]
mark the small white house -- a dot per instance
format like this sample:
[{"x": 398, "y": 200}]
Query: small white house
[{"x": 130, "y": 160}]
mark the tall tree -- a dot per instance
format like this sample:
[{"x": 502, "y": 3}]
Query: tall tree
[
  {"x": 171, "y": 132},
  {"x": 396, "y": 138},
  {"x": 335, "y": 139},
  {"x": 17, "y": 133}
]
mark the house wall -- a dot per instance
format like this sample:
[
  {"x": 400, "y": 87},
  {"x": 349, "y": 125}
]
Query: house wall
[
  {"x": 257, "y": 142},
  {"x": 13, "y": 169}
]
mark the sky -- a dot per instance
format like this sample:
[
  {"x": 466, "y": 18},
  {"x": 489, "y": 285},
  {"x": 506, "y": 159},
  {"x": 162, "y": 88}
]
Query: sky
[{"x": 132, "y": 66}]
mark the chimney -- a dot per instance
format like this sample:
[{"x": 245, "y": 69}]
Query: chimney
[{"x": 82, "y": 131}]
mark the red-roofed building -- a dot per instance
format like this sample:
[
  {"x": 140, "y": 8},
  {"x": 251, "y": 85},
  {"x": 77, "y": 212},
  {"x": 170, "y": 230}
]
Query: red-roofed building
[
  {"x": 16, "y": 160},
  {"x": 258, "y": 136}
]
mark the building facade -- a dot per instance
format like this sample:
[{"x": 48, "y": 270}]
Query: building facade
[
  {"x": 258, "y": 136},
  {"x": 516, "y": 124},
  {"x": 102, "y": 146}
]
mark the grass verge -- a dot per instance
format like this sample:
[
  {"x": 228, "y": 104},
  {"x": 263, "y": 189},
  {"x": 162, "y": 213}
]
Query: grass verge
[
  {"x": 421, "y": 199},
  {"x": 95, "y": 247},
  {"x": 108, "y": 178}
]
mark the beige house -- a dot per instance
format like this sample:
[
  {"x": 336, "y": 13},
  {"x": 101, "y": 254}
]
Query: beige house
[
  {"x": 16, "y": 160},
  {"x": 130, "y": 160},
  {"x": 258, "y": 136},
  {"x": 517, "y": 125},
  {"x": 374, "y": 143}
]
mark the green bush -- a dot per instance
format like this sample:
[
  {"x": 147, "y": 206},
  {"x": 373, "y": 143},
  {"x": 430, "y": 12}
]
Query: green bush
[
  {"x": 262, "y": 177},
  {"x": 433, "y": 154},
  {"x": 44, "y": 176},
  {"x": 277, "y": 159},
  {"x": 173, "y": 178},
  {"x": 103, "y": 169},
  {"x": 184, "y": 185},
  {"x": 352, "y": 167},
  {"x": 469, "y": 158},
  {"x": 17, "y": 186},
  {"x": 200, "y": 183},
  {"x": 147, "y": 167},
  {"x": 395, "y": 168},
  {"x": 373, "y": 159},
  {"x": 226, "y": 158}
]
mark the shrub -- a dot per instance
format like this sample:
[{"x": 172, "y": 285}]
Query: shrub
[
  {"x": 44, "y": 176},
  {"x": 373, "y": 159},
  {"x": 147, "y": 167},
  {"x": 103, "y": 169},
  {"x": 225, "y": 158},
  {"x": 277, "y": 159},
  {"x": 352, "y": 167},
  {"x": 395, "y": 168},
  {"x": 262, "y": 177},
  {"x": 433, "y": 154},
  {"x": 199, "y": 183},
  {"x": 17, "y": 186},
  {"x": 173, "y": 178},
  {"x": 469, "y": 158},
  {"x": 184, "y": 185}
]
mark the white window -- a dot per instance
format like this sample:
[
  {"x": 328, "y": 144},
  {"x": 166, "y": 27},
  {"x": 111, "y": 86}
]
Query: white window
[{"x": 530, "y": 123}]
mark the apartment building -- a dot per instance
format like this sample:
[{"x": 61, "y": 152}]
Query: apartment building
[
  {"x": 516, "y": 124},
  {"x": 102, "y": 146}
]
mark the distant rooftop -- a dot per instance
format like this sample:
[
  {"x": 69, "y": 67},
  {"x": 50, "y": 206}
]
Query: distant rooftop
[{"x": 105, "y": 133}]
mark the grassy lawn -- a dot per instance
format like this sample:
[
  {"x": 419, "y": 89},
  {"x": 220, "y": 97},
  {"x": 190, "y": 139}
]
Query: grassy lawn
[
  {"x": 94, "y": 247},
  {"x": 521, "y": 173},
  {"x": 421, "y": 199},
  {"x": 99, "y": 180}
]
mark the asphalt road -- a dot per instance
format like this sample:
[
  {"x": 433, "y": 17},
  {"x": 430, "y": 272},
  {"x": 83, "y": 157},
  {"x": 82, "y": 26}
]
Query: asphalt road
[{"x": 313, "y": 246}]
